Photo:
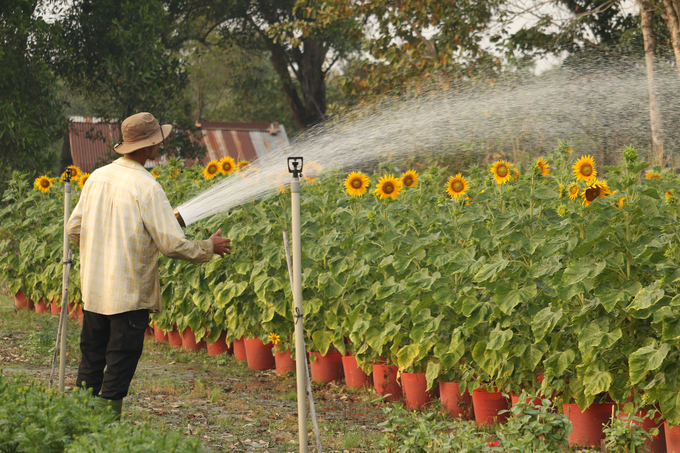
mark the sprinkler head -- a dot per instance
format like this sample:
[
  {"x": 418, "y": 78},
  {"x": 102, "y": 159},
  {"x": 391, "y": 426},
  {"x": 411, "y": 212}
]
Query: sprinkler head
[
  {"x": 295, "y": 166},
  {"x": 179, "y": 218}
]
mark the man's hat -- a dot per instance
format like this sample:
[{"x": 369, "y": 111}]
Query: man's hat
[{"x": 141, "y": 130}]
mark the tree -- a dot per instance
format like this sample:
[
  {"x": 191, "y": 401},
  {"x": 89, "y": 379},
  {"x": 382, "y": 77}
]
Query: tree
[
  {"x": 673, "y": 21},
  {"x": 30, "y": 108},
  {"x": 119, "y": 56},
  {"x": 302, "y": 63}
]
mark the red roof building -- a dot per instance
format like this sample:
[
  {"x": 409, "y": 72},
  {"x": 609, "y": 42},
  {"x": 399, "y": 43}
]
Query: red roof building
[{"x": 90, "y": 141}]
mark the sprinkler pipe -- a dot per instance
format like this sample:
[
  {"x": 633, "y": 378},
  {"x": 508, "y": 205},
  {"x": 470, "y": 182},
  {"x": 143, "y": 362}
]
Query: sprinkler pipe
[
  {"x": 295, "y": 168},
  {"x": 63, "y": 318}
]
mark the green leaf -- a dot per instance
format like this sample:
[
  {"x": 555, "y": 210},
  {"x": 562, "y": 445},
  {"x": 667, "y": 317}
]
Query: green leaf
[
  {"x": 322, "y": 341},
  {"x": 646, "y": 359},
  {"x": 591, "y": 338},
  {"x": 581, "y": 269},
  {"x": 669, "y": 401},
  {"x": 228, "y": 292},
  {"x": 509, "y": 296},
  {"x": 533, "y": 354},
  {"x": 407, "y": 355},
  {"x": 597, "y": 379},
  {"x": 558, "y": 362},
  {"x": 432, "y": 373},
  {"x": 489, "y": 270},
  {"x": 647, "y": 297},
  {"x": 544, "y": 321},
  {"x": 498, "y": 338}
]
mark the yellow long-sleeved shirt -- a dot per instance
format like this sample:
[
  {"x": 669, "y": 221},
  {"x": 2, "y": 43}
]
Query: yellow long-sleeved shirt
[{"x": 122, "y": 220}]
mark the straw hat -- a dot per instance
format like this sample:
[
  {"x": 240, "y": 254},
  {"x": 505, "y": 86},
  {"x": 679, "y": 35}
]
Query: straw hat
[{"x": 141, "y": 130}]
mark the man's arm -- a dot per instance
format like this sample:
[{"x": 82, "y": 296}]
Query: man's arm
[{"x": 74, "y": 223}]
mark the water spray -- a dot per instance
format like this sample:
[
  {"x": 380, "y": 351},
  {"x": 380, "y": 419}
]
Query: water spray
[{"x": 63, "y": 318}]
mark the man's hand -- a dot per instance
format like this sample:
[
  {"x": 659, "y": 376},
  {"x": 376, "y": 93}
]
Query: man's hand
[{"x": 221, "y": 245}]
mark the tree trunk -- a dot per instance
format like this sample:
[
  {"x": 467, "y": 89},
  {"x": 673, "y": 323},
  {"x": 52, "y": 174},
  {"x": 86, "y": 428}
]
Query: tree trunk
[
  {"x": 647, "y": 24},
  {"x": 673, "y": 20},
  {"x": 312, "y": 79}
]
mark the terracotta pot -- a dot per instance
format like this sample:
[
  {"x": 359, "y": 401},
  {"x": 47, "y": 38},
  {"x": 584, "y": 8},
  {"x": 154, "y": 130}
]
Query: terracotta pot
[
  {"x": 149, "y": 333},
  {"x": 657, "y": 445},
  {"x": 284, "y": 362},
  {"x": 219, "y": 346},
  {"x": 41, "y": 306},
  {"x": 414, "y": 386},
  {"x": 672, "y": 438},
  {"x": 538, "y": 401},
  {"x": 75, "y": 312},
  {"x": 20, "y": 301},
  {"x": 189, "y": 341},
  {"x": 326, "y": 368},
  {"x": 456, "y": 404},
  {"x": 174, "y": 337},
  {"x": 355, "y": 378},
  {"x": 385, "y": 381},
  {"x": 240, "y": 350},
  {"x": 54, "y": 308},
  {"x": 588, "y": 424},
  {"x": 160, "y": 336},
  {"x": 259, "y": 355},
  {"x": 488, "y": 406}
]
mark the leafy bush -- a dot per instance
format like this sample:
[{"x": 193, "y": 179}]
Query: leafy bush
[
  {"x": 626, "y": 434},
  {"x": 36, "y": 420}
]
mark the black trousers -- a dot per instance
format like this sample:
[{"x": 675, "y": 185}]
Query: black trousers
[{"x": 114, "y": 342}]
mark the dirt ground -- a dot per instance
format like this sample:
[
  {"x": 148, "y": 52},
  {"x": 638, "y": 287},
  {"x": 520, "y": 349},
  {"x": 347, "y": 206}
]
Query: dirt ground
[{"x": 217, "y": 399}]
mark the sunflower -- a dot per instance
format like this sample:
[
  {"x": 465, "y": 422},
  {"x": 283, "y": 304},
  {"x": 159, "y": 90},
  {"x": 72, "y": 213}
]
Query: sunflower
[
  {"x": 573, "y": 190},
  {"x": 282, "y": 183},
  {"x": 652, "y": 175},
  {"x": 211, "y": 170},
  {"x": 83, "y": 179},
  {"x": 227, "y": 165},
  {"x": 356, "y": 183},
  {"x": 154, "y": 173},
  {"x": 241, "y": 165},
  {"x": 42, "y": 184},
  {"x": 457, "y": 186},
  {"x": 560, "y": 191},
  {"x": 619, "y": 204},
  {"x": 310, "y": 171},
  {"x": 561, "y": 210},
  {"x": 174, "y": 172},
  {"x": 501, "y": 171},
  {"x": 388, "y": 186},
  {"x": 274, "y": 339},
  {"x": 669, "y": 194},
  {"x": 596, "y": 189},
  {"x": 542, "y": 166},
  {"x": 409, "y": 179},
  {"x": 584, "y": 169},
  {"x": 75, "y": 173},
  {"x": 515, "y": 174}
]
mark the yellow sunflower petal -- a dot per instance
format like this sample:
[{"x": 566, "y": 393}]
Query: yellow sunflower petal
[
  {"x": 83, "y": 178},
  {"x": 543, "y": 166},
  {"x": 501, "y": 171},
  {"x": 584, "y": 169},
  {"x": 356, "y": 183},
  {"x": 409, "y": 179},
  {"x": 457, "y": 186},
  {"x": 43, "y": 184},
  {"x": 388, "y": 186},
  {"x": 227, "y": 165},
  {"x": 211, "y": 169}
]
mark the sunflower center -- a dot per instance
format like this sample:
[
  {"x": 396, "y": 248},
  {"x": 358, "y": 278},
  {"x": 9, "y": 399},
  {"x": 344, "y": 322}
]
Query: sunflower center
[
  {"x": 227, "y": 167},
  {"x": 212, "y": 169},
  {"x": 502, "y": 170},
  {"x": 457, "y": 186},
  {"x": 388, "y": 187},
  {"x": 408, "y": 181},
  {"x": 587, "y": 170},
  {"x": 592, "y": 193},
  {"x": 356, "y": 183},
  {"x": 44, "y": 183}
]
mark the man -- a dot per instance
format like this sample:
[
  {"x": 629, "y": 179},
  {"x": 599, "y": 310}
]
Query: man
[{"x": 122, "y": 221}]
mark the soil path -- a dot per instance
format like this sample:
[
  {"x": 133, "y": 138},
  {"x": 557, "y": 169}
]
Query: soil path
[{"x": 219, "y": 400}]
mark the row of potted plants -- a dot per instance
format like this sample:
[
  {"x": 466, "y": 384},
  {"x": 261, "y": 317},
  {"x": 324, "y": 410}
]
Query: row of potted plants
[{"x": 546, "y": 270}]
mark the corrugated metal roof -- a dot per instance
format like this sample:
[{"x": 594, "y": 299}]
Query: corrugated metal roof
[
  {"x": 90, "y": 141},
  {"x": 241, "y": 141}
]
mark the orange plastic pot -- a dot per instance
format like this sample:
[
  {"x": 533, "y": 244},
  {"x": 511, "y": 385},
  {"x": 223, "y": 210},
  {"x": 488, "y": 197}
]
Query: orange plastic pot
[
  {"x": 240, "y": 350},
  {"x": 488, "y": 407},
  {"x": 259, "y": 355},
  {"x": 41, "y": 306},
  {"x": 672, "y": 438},
  {"x": 657, "y": 445},
  {"x": 326, "y": 368},
  {"x": 75, "y": 312},
  {"x": 158, "y": 333},
  {"x": 174, "y": 337},
  {"x": 219, "y": 346},
  {"x": 20, "y": 301},
  {"x": 355, "y": 378},
  {"x": 457, "y": 404},
  {"x": 414, "y": 387},
  {"x": 385, "y": 381},
  {"x": 284, "y": 362},
  {"x": 538, "y": 401},
  {"x": 588, "y": 424},
  {"x": 189, "y": 341},
  {"x": 54, "y": 308}
]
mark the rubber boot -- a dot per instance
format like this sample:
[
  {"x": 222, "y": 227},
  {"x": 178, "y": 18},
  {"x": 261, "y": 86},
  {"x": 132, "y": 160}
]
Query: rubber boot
[{"x": 114, "y": 405}]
